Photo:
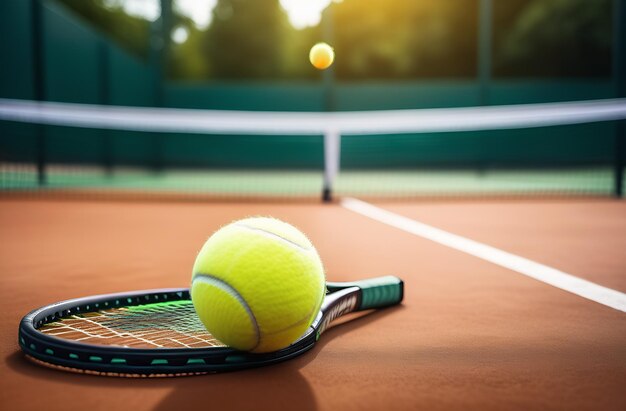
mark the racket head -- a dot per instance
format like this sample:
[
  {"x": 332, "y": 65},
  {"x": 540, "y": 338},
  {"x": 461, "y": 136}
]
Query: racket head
[{"x": 157, "y": 333}]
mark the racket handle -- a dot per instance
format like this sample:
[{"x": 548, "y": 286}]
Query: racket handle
[{"x": 379, "y": 292}]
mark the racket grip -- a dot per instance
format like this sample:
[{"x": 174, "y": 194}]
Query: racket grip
[{"x": 380, "y": 292}]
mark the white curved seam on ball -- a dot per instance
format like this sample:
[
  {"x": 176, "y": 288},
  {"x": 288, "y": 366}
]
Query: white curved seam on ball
[
  {"x": 224, "y": 286},
  {"x": 274, "y": 235}
]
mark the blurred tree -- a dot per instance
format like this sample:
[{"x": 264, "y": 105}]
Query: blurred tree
[
  {"x": 245, "y": 39},
  {"x": 131, "y": 33},
  {"x": 243, "y": 43},
  {"x": 552, "y": 38},
  {"x": 294, "y": 58},
  {"x": 403, "y": 39},
  {"x": 186, "y": 60}
]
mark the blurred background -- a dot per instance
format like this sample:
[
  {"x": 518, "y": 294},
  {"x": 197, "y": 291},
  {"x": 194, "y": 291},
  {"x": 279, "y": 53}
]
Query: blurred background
[{"x": 253, "y": 55}]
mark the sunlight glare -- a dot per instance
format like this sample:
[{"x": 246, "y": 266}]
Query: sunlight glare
[
  {"x": 146, "y": 9},
  {"x": 180, "y": 35},
  {"x": 304, "y": 13},
  {"x": 199, "y": 11}
]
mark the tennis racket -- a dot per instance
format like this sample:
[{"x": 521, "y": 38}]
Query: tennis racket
[{"x": 156, "y": 333}]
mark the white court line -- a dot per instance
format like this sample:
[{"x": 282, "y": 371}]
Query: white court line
[{"x": 559, "y": 279}]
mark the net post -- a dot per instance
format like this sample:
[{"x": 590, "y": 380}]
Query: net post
[
  {"x": 620, "y": 163},
  {"x": 619, "y": 65},
  {"x": 41, "y": 156},
  {"x": 159, "y": 55},
  {"x": 332, "y": 147},
  {"x": 105, "y": 99},
  {"x": 332, "y": 138},
  {"x": 39, "y": 87}
]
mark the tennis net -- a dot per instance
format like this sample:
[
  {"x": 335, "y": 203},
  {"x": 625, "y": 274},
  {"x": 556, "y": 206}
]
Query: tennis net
[{"x": 78, "y": 150}]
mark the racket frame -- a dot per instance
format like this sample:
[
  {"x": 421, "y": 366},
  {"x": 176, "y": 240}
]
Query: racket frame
[{"x": 139, "y": 362}]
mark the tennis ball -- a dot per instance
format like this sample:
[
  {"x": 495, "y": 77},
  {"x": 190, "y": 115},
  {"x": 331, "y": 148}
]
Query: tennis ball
[
  {"x": 257, "y": 284},
  {"x": 321, "y": 56}
]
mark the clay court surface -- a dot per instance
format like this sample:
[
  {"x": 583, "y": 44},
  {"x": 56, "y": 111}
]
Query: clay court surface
[{"x": 469, "y": 334}]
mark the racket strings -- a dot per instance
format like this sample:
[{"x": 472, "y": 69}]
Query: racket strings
[{"x": 158, "y": 325}]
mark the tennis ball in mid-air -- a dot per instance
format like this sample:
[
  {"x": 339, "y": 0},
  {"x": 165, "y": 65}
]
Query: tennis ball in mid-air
[
  {"x": 257, "y": 284},
  {"x": 321, "y": 56}
]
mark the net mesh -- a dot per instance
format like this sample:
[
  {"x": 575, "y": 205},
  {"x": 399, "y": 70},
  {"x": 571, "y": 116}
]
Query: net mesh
[
  {"x": 172, "y": 324},
  {"x": 555, "y": 149}
]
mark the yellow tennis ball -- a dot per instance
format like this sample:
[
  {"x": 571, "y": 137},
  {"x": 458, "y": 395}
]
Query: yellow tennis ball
[
  {"x": 257, "y": 284},
  {"x": 321, "y": 56}
]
